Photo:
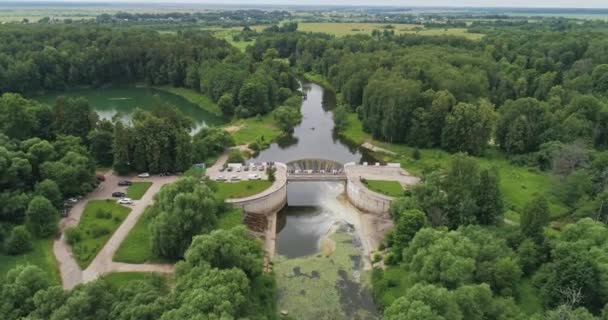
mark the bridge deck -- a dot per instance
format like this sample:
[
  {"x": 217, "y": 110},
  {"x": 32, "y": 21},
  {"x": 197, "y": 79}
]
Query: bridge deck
[{"x": 316, "y": 177}]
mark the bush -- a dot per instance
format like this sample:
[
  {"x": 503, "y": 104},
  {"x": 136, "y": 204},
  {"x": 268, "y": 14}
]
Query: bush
[
  {"x": 19, "y": 241},
  {"x": 99, "y": 231},
  {"x": 236, "y": 156},
  {"x": 416, "y": 154},
  {"x": 103, "y": 214},
  {"x": 73, "y": 236},
  {"x": 377, "y": 257}
]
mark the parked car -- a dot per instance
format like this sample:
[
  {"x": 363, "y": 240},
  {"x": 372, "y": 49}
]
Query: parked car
[
  {"x": 72, "y": 200},
  {"x": 245, "y": 168},
  {"x": 118, "y": 194},
  {"x": 229, "y": 169},
  {"x": 67, "y": 204},
  {"x": 101, "y": 177},
  {"x": 144, "y": 175},
  {"x": 65, "y": 212},
  {"x": 220, "y": 178},
  {"x": 238, "y": 169},
  {"x": 125, "y": 201},
  {"x": 124, "y": 183},
  {"x": 235, "y": 178},
  {"x": 261, "y": 168},
  {"x": 254, "y": 176},
  {"x": 222, "y": 169}
]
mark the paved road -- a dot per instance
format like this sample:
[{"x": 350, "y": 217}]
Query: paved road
[{"x": 71, "y": 274}]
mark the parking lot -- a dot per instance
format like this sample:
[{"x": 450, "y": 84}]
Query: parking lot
[{"x": 234, "y": 172}]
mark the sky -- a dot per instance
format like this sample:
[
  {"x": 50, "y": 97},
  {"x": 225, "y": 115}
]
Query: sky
[{"x": 450, "y": 3}]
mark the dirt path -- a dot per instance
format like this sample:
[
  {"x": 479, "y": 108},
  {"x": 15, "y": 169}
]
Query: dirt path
[{"x": 71, "y": 274}]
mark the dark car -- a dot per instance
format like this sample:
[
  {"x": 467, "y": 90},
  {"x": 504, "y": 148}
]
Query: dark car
[
  {"x": 65, "y": 212},
  {"x": 101, "y": 178},
  {"x": 118, "y": 194},
  {"x": 124, "y": 183}
]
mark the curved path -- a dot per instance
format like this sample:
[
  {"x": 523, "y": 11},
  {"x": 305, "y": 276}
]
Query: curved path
[{"x": 71, "y": 274}]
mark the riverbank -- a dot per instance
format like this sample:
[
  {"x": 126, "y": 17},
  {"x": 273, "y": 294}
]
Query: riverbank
[{"x": 518, "y": 184}]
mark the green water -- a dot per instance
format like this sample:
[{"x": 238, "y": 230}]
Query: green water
[{"x": 108, "y": 102}]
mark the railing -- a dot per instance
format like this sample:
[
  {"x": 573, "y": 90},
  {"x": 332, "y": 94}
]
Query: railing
[{"x": 316, "y": 177}]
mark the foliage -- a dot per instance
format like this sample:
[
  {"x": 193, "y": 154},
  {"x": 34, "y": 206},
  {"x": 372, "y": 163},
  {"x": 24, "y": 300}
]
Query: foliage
[
  {"x": 534, "y": 219},
  {"x": 18, "y": 242},
  {"x": 181, "y": 211},
  {"x": 287, "y": 117},
  {"x": 41, "y": 217}
]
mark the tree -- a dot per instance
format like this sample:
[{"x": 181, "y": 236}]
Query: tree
[
  {"x": 407, "y": 225},
  {"x": 529, "y": 256},
  {"x": 489, "y": 198},
  {"x": 18, "y": 242},
  {"x": 462, "y": 186},
  {"x": 18, "y": 290},
  {"x": 41, "y": 217},
  {"x": 287, "y": 117},
  {"x": 468, "y": 128},
  {"x": 534, "y": 218},
  {"x": 100, "y": 145},
  {"x": 226, "y": 105},
  {"x": 521, "y": 126}
]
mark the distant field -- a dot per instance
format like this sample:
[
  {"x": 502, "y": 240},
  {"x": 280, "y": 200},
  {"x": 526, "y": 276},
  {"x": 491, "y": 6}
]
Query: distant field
[
  {"x": 344, "y": 29},
  {"x": 228, "y": 34}
]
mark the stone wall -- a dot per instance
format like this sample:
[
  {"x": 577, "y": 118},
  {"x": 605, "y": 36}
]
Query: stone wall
[{"x": 367, "y": 200}]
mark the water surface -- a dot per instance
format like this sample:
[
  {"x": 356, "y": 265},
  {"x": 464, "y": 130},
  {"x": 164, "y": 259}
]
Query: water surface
[{"x": 108, "y": 102}]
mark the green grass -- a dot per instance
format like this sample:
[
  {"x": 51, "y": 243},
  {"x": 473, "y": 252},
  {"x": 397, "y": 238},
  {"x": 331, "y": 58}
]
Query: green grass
[
  {"x": 136, "y": 246},
  {"x": 250, "y": 129},
  {"x": 242, "y": 189},
  {"x": 518, "y": 184},
  {"x": 389, "y": 188},
  {"x": 120, "y": 279},
  {"x": 41, "y": 256},
  {"x": 395, "y": 281},
  {"x": 228, "y": 34},
  {"x": 195, "y": 97},
  {"x": 230, "y": 219},
  {"x": 137, "y": 189},
  {"x": 318, "y": 79},
  {"x": 341, "y": 29},
  {"x": 527, "y": 297},
  {"x": 87, "y": 248}
]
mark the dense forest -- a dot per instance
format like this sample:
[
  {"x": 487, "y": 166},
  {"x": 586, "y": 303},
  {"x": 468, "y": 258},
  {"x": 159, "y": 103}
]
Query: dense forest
[{"x": 536, "y": 93}]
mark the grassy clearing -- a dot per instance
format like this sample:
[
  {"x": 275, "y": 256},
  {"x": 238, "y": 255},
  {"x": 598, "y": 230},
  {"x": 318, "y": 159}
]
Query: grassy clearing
[
  {"x": 393, "y": 283},
  {"x": 389, "y": 188},
  {"x": 230, "y": 219},
  {"x": 41, "y": 256},
  {"x": 242, "y": 189},
  {"x": 251, "y": 129},
  {"x": 195, "y": 97},
  {"x": 318, "y": 79},
  {"x": 344, "y": 29},
  {"x": 137, "y": 189},
  {"x": 229, "y": 33},
  {"x": 136, "y": 246},
  {"x": 99, "y": 221},
  {"x": 121, "y": 279},
  {"x": 518, "y": 184}
]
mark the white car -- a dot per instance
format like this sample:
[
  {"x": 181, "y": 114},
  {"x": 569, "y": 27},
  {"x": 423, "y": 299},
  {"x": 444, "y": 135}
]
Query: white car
[
  {"x": 220, "y": 178},
  {"x": 254, "y": 176},
  {"x": 235, "y": 178},
  {"x": 125, "y": 201},
  {"x": 144, "y": 175}
]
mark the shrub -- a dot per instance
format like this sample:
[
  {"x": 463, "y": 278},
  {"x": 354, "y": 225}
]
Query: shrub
[
  {"x": 236, "y": 156},
  {"x": 73, "y": 236},
  {"x": 19, "y": 241},
  {"x": 416, "y": 154},
  {"x": 99, "y": 231},
  {"x": 103, "y": 214}
]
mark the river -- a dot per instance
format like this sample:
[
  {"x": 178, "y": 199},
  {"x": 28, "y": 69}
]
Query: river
[{"x": 320, "y": 259}]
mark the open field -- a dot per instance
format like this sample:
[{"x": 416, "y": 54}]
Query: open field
[
  {"x": 389, "y": 188},
  {"x": 137, "y": 190},
  {"x": 242, "y": 189},
  {"x": 344, "y": 29},
  {"x": 250, "y": 129},
  {"x": 229, "y": 33},
  {"x": 99, "y": 221},
  {"x": 518, "y": 184},
  {"x": 41, "y": 256}
]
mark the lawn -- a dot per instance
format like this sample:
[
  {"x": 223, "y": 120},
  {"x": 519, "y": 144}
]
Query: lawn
[
  {"x": 518, "y": 184},
  {"x": 389, "y": 188},
  {"x": 41, "y": 256},
  {"x": 137, "y": 189},
  {"x": 250, "y": 129},
  {"x": 99, "y": 221},
  {"x": 242, "y": 189},
  {"x": 136, "y": 246},
  {"x": 121, "y": 279},
  {"x": 230, "y": 219},
  {"x": 344, "y": 29},
  {"x": 195, "y": 97}
]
